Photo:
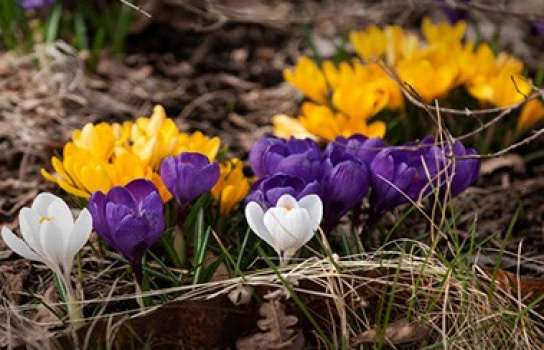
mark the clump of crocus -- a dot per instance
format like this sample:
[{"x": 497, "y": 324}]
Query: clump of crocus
[
  {"x": 232, "y": 186},
  {"x": 130, "y": 219},
  {"x": 102, "y": 156},
  {"x": 288, "y": 225},
  {"x": 188, "y": 176},
  {"x": 347, "y": 98},
  {"x": 351, "y": 166},
  {"x": 51, "y": 236}
]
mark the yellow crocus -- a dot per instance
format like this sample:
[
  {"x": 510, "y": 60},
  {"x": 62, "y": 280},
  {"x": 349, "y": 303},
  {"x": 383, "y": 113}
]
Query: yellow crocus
[
  {"x": 154, "y": 138},
  {"x": 309, "y": 79},
  {"x": 285, "y": 127},
  {"x": 504, "y": 89},
  {"x": 532, "y": 113},
  {"x": 99, "y": 140},
  {"x": 321, "y": 121},
  {"x": 232, "y": 186},
  {"x": 443, "y": 32},
  {"x": 360, "y": 101},
  {"x": 370, "y": 43},
  {"x": 198, "y": 142},
  {"x": 427, "y": 81},
  {"x": 81, "y": 174}
]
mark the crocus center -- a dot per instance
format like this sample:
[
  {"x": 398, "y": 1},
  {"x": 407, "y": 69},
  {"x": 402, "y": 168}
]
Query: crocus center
[
  {"x": 45, "y": 218},
  {"x": 288, "y": 207}
]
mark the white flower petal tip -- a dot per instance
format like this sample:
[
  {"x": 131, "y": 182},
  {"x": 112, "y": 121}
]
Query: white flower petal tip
[
  {"x": 49, "y": 233},
  {"x": 287, "y": 226}
]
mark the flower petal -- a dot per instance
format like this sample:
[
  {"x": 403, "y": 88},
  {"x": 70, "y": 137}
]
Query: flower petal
[
  {"x": 287, "y": 201},
  {"x": 312, "y": 203},
  {"x": 42, "y": 202},
  {"x": 53, "y": 250},
  {"x": 279, "y": 228},
  {"x": 19, "y": 246},
  {"x": 61, "y": 213},
  {"x": 29, "y": 222},
  {"x": 80, "y": 234},
  {"x": 254, "y": 216}
]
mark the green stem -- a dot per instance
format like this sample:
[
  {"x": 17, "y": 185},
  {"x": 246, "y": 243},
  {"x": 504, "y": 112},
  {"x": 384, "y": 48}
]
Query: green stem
[{"x": 74, "y": 309}]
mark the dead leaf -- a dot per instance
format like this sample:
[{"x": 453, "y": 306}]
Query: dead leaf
[
  {"x": 512, "y": 161},
  {"x": 277, "y": 332},
  {"x": 398, "y": 332},
  {"x": 529, "y": 288}
]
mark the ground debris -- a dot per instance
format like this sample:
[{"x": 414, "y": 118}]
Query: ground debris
[{"x": 276, "y": 330}]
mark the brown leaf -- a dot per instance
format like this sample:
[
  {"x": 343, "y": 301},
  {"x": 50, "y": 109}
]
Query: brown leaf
[
  {"x": 398, "y": 332},
  {"x": 529, "y": 288},
  {"x": 511, "y": 161},
  {"x": 277, "y": 332}
]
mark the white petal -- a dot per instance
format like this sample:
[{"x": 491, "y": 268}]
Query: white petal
[
  {"x": 287, "y": 201},
  {"x": 254, "y": 216},
  {"x": 312, "y": 203},
  {"x": 29, "y": 222},
  {"x": 19, "y": 246},
  {"x": 53, "y": 250},
  {"x": 299, "y": 224},
  {"x": 62, "y": 215},
  {"x": 274, "y": 221},
  {"x": 42, "y": 202},
  {"x": 80, "y": 234}
]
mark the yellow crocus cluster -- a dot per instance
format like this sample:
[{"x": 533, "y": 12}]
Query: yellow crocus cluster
[
  {"x": 231, "y": 187},
  {"x": 344, "y": 97},
  {"x": 101, "y": 156}
]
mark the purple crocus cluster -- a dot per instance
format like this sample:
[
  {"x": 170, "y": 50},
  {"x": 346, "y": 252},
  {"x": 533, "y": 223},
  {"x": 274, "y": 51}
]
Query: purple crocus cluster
[{"x": 349, "y": 168}]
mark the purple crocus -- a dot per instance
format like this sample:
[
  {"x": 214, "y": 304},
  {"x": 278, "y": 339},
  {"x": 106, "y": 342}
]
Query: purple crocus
[
  {"x": 35, "y": 4},
  {"x": 301, "y": 158},
  {"x": 448, "y": 167},
  {"x": 345, "y": 183},
  {"x": 267, "y": 191},
  {"x": 454, "y": 14},
  {"x": 413, "y": 170},
  {"x": 357, "y": 146},
  {"x": 397, "y": 176},
  {"x": 188, "y": 175},
  {"x": 130, "y": 219}
]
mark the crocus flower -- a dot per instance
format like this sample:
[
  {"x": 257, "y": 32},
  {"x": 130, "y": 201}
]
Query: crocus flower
[
  {"x": 345, "y": 183},
  {"x": 35, "y": 4},
  {"x": 268, "y": 191},
  {"x": 189, "y": 175},
  {"x": 51, "y": 236},
  {"x": 309, "y": 79},
  {"x": 447, "y": 167},
  {"x": 358, "y": 146},
  {"x": 454, "y": 14},
  {"x": 397, "y": 176},
  {"x": 271, "y": 155},
  {"x": 287, "y": 226},
  {"x": 232, "y": 186},
  {"x": 130, "y": 219},
  {"x": 103, "y": 155}
]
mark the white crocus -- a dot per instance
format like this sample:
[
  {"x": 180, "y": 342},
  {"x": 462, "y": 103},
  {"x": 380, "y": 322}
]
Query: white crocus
[
  {"x": 287, "y": 226},
  {"x": 51, "y": 236}
]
